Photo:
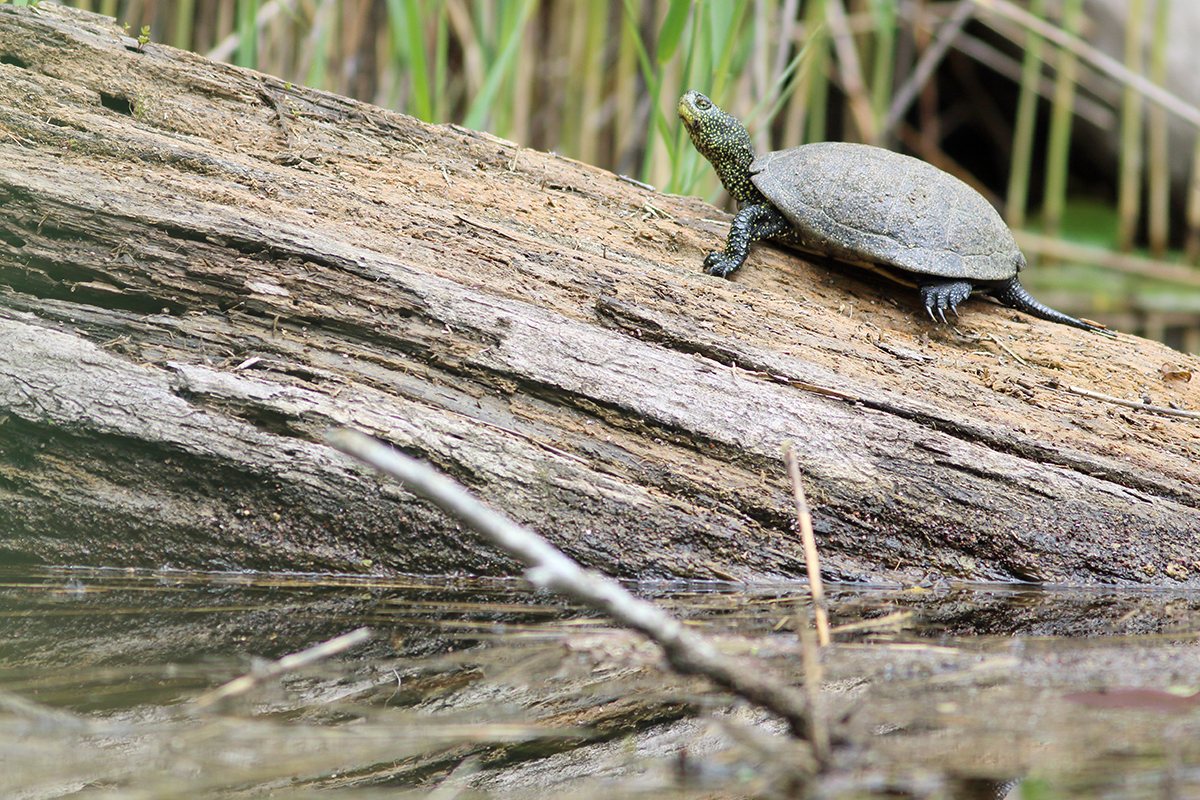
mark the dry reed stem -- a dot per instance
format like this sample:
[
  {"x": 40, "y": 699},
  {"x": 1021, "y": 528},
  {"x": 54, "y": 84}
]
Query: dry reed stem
[{"x": 811, "y": 559}]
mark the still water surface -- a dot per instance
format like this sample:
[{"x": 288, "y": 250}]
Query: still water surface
[{"x": 484, "y": 688}]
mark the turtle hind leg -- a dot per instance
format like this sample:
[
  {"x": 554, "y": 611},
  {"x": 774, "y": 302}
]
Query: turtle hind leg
[
  {"x": 1014, "y": 295},
  {"x": 941, "y": 295},
  {"x": 754, "y": 222}
]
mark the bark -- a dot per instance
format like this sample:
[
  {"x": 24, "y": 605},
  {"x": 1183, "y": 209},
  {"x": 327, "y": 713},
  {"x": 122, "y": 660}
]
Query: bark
[{"x": 205, "y": 268}]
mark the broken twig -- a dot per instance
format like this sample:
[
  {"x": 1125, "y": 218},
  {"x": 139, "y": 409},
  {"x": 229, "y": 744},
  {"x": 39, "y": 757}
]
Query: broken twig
[
  {"x": 549, "y": 568},
  {"x": 292, "y": 661},
  {"x": 1108, "y": 398}
]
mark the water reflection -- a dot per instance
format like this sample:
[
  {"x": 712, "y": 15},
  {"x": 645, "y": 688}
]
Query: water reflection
[{"x": 484, "y": 688}]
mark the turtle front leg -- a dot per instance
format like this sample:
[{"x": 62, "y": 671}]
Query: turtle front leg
[
  {"x": 754, "y": 222},
  {"x": 941, "y": 295}
]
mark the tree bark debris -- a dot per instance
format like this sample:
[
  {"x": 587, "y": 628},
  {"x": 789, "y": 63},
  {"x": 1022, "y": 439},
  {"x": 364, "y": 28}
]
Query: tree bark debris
[{"x": 203, "y": 268}]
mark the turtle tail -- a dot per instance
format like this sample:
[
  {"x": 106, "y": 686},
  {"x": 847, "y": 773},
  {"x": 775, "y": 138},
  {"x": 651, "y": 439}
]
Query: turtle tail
[{"x": 1014, "y": 295}]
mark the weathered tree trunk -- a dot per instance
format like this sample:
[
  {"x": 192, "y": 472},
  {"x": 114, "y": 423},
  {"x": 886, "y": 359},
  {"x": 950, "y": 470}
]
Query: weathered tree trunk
[{"x": 204, "y": 268}]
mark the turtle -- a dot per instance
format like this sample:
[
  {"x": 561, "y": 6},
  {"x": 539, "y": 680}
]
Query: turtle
[{"x": 898, "y": 215}]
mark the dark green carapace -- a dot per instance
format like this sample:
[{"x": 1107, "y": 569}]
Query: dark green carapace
[{"x": 907, "y": 219}]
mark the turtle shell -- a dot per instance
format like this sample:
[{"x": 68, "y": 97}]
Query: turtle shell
[{"x": 864, "y": 203}]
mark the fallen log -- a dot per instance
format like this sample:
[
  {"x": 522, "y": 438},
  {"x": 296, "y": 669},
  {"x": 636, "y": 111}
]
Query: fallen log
[{"x": 203, "y": 268}]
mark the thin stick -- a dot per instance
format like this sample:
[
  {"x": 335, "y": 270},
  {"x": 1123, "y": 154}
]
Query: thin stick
[
  {"x": 1108, "y": 398},
  {"x": 1102, "y": 62},
  {"x": 548, "y": 567},
  {"x": 1004, "y": 347},
  {"x": 818, "y": 729},
  {"x": 1119, "y": 262},
  {"x": 811, "y": 559},
  {"x": 851, "y": 71},
  {"x": 288, "y": 663},
  {"x": 928, "y": 63}
]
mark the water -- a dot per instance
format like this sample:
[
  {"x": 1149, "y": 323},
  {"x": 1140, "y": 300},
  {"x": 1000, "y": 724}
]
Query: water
[{"x": 484, "y": 688}]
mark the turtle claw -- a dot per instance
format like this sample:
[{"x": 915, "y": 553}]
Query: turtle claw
[
  {"x": 941, "y": 313},
  {"x": 717, "y": 263},
  {"x": 938, "y": 297}
]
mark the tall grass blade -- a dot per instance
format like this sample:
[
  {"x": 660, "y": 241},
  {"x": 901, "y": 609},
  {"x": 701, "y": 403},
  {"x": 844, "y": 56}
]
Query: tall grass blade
[
  {"x": 1060, "y": 123},
  {"x": 1129, "y": 185},
  {"x": 883, "y": 68},
  {"x": 1027, "y": 105},
  {"x": 850, "y": 69},
  {"x": 671, "y": 32},
  {"x": 441, "y": 68},
  {"x": 653, "y": 84},
  {"x": 814, "y": 90},
  {"x": 247, "y": 51},
  {"x": 725, "y": 20},
  {"x": 687, "y": 167},
  {"x": 783, "y": 89},
  {"x": 1192, "y": 211},
  {"x": 919, "y": 81},
  {"x": 181, "y": 31},
  {"x": 584, "y": 86},
  {"x": 788, "y": 21},
  {"x": 623, "y": 92},
  {"x": 1159, "y": 168},
  {"x": 513, "y": 22},
  {"x": 314, "y": 63},
  {"x": 405, "y": 18},
  {"x": 513, "y": 117}
]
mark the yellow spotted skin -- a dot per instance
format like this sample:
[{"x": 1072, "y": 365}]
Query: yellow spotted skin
[{"x": 724, "y": 142}]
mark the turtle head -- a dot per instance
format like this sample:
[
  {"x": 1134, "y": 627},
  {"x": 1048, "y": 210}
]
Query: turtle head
[{"x": 723, "y": 141}]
